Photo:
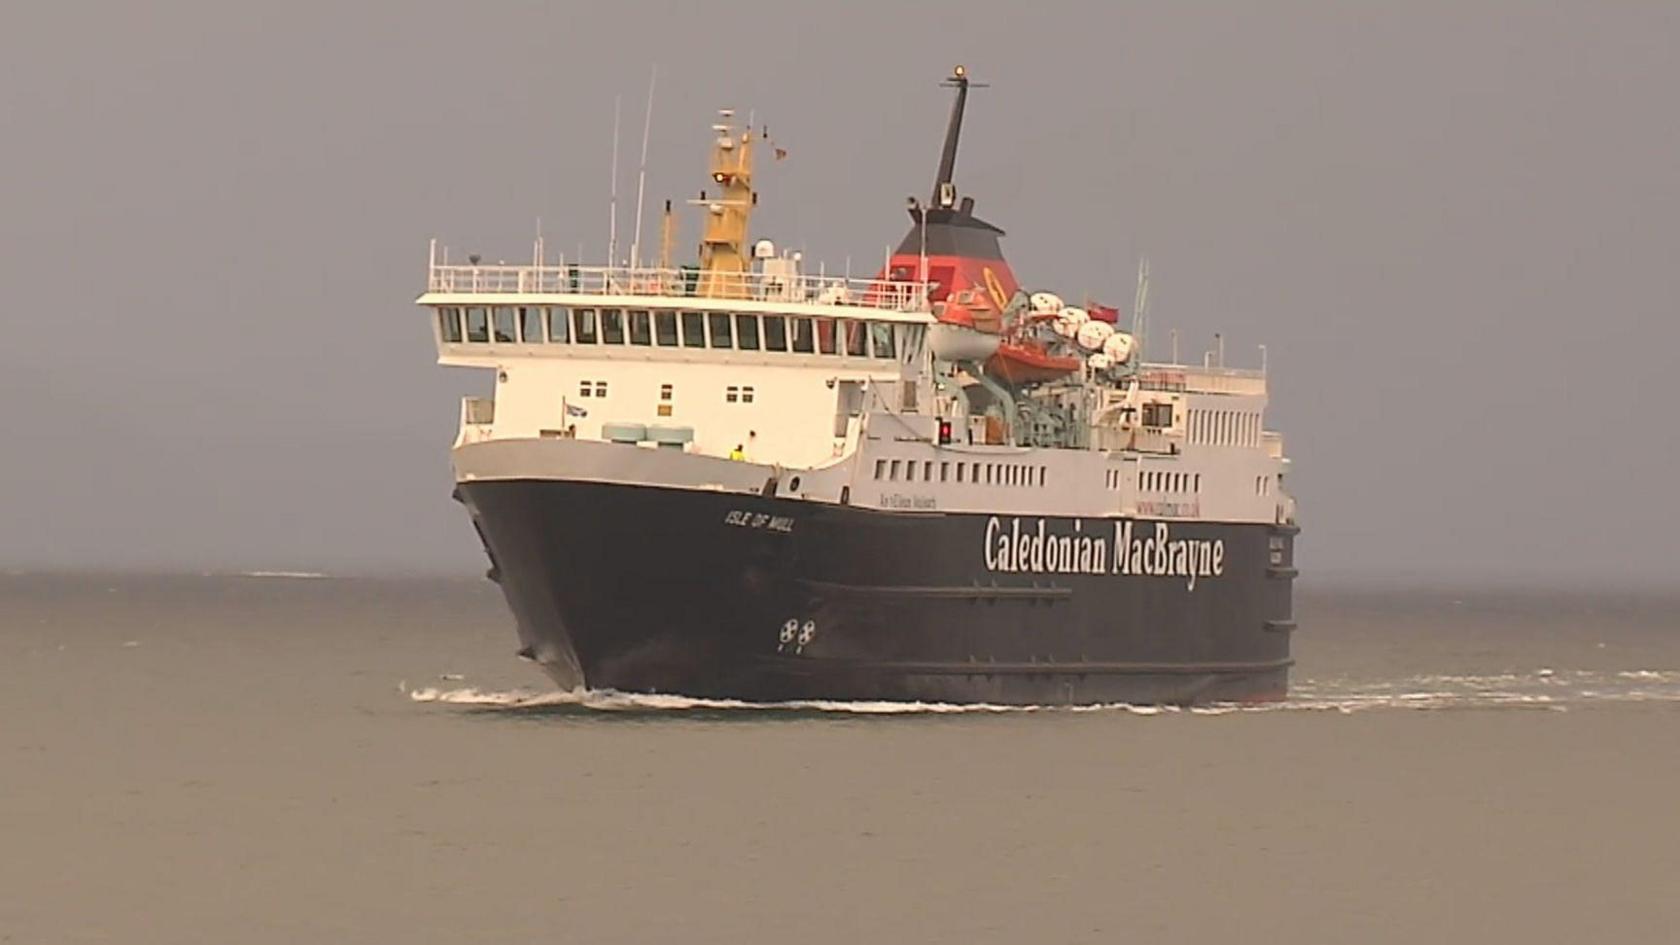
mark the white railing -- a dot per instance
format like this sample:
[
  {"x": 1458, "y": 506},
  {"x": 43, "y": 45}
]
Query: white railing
[{"x": 645, "y": 281}]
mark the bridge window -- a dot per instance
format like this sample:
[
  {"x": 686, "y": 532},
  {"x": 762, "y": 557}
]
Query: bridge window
[
  {"x": 641, "y": 328},
  {"x": 1157, "y": 415},
  {"x": 825, "y": 335},
  {"x": 718, "y": 322},
  {"x": 775, "y": 333},
  {"x": 881, "y": 336},
  {"x": 693, "y": 330},
  {"x": 478, "y": 324},
  {"x": 449, "y": 325},
  {"x": 503, "y": 324},
  {"x": 612, "y": 326},
  {"x": 559, "y": 325},
  {"x": 746, "y": 332},
  {"x": 804, "y": 339},
  {"x": 583, "y": 326},
  {"x": 530, "y": 325},
  {"x": 857, "y": 338},
  {"x": 665, "y": 329}
]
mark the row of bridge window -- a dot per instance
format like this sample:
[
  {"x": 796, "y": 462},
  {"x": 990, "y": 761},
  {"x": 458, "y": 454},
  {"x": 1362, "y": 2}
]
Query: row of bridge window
[{"x": 554, "y": 324}]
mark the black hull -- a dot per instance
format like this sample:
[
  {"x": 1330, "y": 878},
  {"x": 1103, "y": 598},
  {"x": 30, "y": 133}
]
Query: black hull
[{"x": 724, "y": 595}]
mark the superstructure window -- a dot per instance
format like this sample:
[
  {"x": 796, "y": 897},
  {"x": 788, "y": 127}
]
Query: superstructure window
[
  {"x": 584, "y": 329},
  {"x": 478, "y": 324},
  {"x": 530, "y": 324},
  {"x": 731, "y": 394},
  {"x": 641, "y": 328},
  {"x": 856, "y": 335},
  {"x": 502, "y": 325},
  {"x": 880, "y": 468},
  {"x": 804, "y": 339},
  {"x": 746, "y": 395},
  {"x": 665, "y": 329},
  {"x": 775, "y": 333},
  {"x": 449, "y": 325},
  {"x": 693, "y": 330},
  {"x": 892, "y": 472},
  {"x": 559, "y": 325},
  {"x": 944, "y": 471},
  {"x": 910, "y": 471},
  {"x": 881, "y": 339},
  {"x": 1157, "y": 415},
  {"x": 718, "y": 323},
  {"x": 664, "y": 392},
  {"x": 960, "y": 471},
  {"x": 612, "y": 326},
  {"x": 826, "y": 330},
  {"x": 746, "y": 332}
]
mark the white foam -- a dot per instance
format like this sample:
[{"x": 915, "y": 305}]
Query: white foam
[
  {"x": 1546, "y": 689},
  {"x": 308, "y": 575}
]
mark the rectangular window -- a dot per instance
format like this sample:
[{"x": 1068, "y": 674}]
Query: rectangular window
[
  {"x": 804, "y": 340},
  {"x": 856, "y": 335},
  {"x": 665, "y": 329},
  {"x": 960, "y": 471},
  {"x": 732, "y": 394},
  {"x": 600, "y": 388},
  {"x": 880, "y": 468},
  {"x": 559, "y": 325},
  {"x": 584, "y": 330},
  {"x": 641, "y": 328},
  {"x": 746, "y": 395},
  {"x": 881, "y": 339},
  {"x": 746, "y": 332},
  {"x": 1043, "y": 471},
  {"x": 1157, "y": 415},
  {"x": 826, "y": 331},
  {"x": 612, "y": 326},
  {"x": 530, "y": 325},
  {"x": 892, "y": 472},
  {"x": 664, "y": 392},
  {"x": 944, "y": 471},
  {"x": 718, "y": 322},
  {"x": 693, "y": 330},
  {"x": 775, "y": 333},
  {"x": 504, "y": 325},
  {"x": 449, "y": 325},
  {"x": 478, "y": 324},
  {"x": 910, "y": 471},
  {"x": 927, "y": 470},
  {"x": 585, "y": 389}
]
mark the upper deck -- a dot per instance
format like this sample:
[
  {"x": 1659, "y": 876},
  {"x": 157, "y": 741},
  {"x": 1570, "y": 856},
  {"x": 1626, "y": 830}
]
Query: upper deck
[{"x": 771, "y": 289}]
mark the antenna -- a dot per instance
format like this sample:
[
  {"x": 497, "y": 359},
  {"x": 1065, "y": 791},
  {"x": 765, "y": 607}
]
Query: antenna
[
  {"x": 1140, "y": 309},
  {"x": 641, "y": 175},
  {"x": 612, "y": 200}
]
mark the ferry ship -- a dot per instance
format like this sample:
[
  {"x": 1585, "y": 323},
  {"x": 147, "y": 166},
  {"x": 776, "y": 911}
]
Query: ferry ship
[{"x": 736, "y": 478}]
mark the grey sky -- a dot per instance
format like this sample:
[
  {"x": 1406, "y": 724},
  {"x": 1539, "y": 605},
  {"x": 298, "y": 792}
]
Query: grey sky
[{"x": 1454, "y": 225}]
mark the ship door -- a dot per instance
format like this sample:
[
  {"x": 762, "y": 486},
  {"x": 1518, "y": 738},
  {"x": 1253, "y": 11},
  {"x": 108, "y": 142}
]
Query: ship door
[{"x": 848, "y": 403}]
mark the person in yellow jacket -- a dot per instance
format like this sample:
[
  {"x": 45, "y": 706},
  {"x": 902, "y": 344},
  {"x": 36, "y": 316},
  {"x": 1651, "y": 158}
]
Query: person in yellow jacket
[{"x": 738, "y": 453}]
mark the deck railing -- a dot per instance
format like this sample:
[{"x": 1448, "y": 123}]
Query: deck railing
[{"x": 645, "y": 281}]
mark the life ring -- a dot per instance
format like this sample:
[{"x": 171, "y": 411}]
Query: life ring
[{"x": 993, "y": 286}]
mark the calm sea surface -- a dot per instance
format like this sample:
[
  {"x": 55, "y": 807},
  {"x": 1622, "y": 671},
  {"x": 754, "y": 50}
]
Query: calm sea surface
[{"x": 275, "y": 759}]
